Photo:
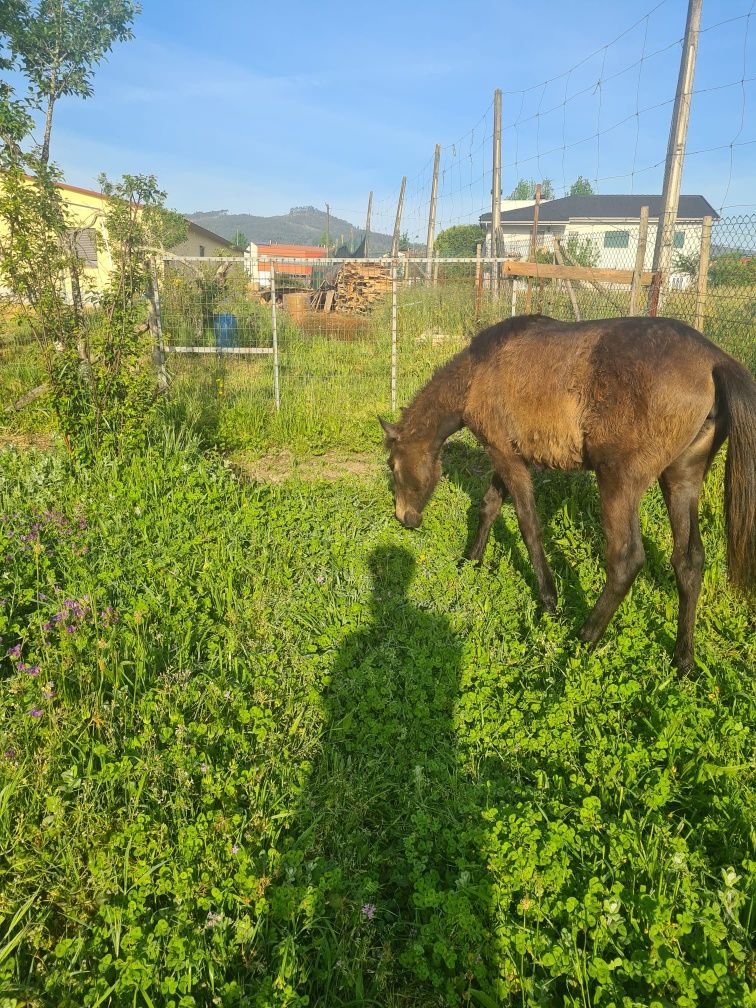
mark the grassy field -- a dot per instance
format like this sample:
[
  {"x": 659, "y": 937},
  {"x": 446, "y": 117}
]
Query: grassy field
[
  {"x": 335, "y": 370},
  {"x": 261, "y": 746}
]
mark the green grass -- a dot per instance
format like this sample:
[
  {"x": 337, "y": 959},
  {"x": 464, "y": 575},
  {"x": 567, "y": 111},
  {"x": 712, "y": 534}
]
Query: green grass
[
  {"x": 335, "y": 371},
  {"x": 287, "y": 753}
]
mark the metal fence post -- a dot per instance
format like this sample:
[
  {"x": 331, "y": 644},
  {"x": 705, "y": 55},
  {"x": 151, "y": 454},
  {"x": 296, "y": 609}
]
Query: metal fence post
[
  {"x": 393, "y": 333},
  {"x": 274, "y": 320}
]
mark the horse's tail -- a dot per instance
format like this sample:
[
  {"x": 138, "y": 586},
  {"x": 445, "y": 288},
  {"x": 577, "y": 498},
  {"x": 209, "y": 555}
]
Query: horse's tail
[{"x": 737, "y": 389}]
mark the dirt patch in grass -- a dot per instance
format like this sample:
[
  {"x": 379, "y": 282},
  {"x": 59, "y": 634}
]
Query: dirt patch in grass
[
  {"x": 277, "y": 467},
  {"x": 42, "y": 442}
]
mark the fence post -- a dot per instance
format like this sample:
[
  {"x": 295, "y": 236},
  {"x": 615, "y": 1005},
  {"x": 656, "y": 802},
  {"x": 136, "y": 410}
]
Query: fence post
[
  {"x": 432, "y": 208},
  {"x": 496, "y": 194},
  {"x": 274, "y": 321},
  {"x": 703, "y": 273},
  {"x": 393, "y": 334},
  {"x": 367, "y": 223},
  {"x": 640, "y": 259},
  {"x": 532, "y": 250},
  {"x": 560, "y": 259},
  {"x": 398, "y": 219},
  {"x": 478, "y": 280},
  {"x": 155, "y": 322}
]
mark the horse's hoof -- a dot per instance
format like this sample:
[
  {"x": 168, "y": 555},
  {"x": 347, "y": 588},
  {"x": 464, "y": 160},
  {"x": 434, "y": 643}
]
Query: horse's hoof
[
  {"x": 684, "y": 664},
  {"x": 549, "y": 605}
]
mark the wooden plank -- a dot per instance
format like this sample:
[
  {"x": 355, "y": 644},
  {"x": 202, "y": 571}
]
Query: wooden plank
[
  {"x": 532, "y": 250},
  {"x": 589, "y": 274}
]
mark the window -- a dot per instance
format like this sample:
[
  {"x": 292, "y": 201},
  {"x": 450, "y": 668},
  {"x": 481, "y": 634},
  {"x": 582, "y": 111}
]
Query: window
[
  {"x": 616, "y": 239},
  {"x": 679, "y": 240},
  {"x": 83, "y": 244},
  {"x": 202, "y": 250}
]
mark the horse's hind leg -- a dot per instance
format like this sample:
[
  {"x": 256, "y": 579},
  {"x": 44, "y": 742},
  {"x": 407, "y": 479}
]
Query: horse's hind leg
[
  {"x": 681, "y": 486},
  {"x": 624, "y": 548},
  {"x": 490, "y": 507}
]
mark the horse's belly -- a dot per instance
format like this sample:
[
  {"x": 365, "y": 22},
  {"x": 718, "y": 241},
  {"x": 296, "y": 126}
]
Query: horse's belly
[{"x": 543, "y": 448}]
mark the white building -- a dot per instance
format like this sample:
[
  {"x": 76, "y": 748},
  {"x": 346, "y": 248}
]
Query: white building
[{"x": 609, "y": 224}]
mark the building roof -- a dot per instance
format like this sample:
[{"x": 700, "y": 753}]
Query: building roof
[
  {"x": 210, "y": 235},
  {"x": 292, "y": 251},
  {"x": 609, "y": 207}
]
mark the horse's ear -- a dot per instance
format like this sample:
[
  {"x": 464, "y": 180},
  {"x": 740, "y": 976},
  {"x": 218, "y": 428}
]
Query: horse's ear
[{"x": 389, "y": 429}]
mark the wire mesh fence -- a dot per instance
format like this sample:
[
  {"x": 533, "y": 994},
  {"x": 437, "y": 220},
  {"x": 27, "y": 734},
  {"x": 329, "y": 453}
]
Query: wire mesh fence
[{"x": 304, "y": 353}]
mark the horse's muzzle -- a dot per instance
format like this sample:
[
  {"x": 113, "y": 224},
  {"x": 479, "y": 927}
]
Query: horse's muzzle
[{"x": 411, "y": 519}]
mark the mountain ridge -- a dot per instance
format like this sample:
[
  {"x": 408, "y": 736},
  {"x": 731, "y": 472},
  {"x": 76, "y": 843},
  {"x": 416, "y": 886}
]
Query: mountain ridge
[{"x": 301, "y": 226}]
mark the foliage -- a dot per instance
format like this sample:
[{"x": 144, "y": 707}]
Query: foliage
[
  {"x": 687, "y": 263},
  {"x": 733, "y": 269},
  {"x": 58, "y": 43},
  {"x": 525, "y": 189},
  {"x": 581, "y": 187},
  {"x": 580, "y": 251},
  {"x": 240, "y": 241},
  {"x": 459, "y": 241},
  {"x": 262, "y": 747}
]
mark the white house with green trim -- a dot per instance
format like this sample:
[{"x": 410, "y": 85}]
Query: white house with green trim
[{"x": 609, "y": 223}]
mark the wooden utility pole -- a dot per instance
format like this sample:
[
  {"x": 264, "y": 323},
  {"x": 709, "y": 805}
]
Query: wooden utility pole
[
  {"x": 665, "y": 228},
  {"x": 640, "y": 259},
  {"x": 703, "y": 273},
  {"x": 432, "y": 208},
  {"x": 496, "y": 193},
  {"x": 398, "y": 220},
  {"x": 533, "y": 244},
  {"x": 367, "y": 222}
]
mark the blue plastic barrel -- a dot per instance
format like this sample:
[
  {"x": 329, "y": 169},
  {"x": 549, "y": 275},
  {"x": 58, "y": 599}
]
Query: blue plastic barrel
[{"x": 224, "y": 328}]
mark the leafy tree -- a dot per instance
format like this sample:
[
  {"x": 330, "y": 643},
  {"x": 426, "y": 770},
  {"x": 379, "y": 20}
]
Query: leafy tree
[
  {"x": 404, "y": 242},
  {"x": 687, "y": 264},
  {"x": 733, "y": 269},
  {"x": 58, "y": 43},
  {"x": 525, "y": 189},
  {"x": 579, "y": 251},
  {"x": 460, "y": 241},
  {"x": 581, "y": 187},
  {"x": 240, "y": 241}
]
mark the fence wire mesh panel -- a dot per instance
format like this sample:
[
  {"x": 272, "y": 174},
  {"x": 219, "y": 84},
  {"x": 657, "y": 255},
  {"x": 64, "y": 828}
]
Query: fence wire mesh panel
[{"x": 355, "y": 337}]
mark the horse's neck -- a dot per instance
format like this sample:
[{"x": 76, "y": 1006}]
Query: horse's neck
[{"x": 436, "y": 411}]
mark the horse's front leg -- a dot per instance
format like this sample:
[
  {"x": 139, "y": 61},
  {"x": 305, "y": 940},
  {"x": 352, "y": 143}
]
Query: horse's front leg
[
  {"x": 514, "y": 474},
  {"x": 490, "y": 507}
]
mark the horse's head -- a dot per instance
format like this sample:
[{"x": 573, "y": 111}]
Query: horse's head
[{"x": 415, "y": 470}]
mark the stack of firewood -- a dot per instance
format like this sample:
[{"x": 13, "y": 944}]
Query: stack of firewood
[{"x": 359, "y": 285}]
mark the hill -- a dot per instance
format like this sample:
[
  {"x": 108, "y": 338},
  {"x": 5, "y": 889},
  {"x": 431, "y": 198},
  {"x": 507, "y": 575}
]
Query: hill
[{"x": 301, "y": 225}]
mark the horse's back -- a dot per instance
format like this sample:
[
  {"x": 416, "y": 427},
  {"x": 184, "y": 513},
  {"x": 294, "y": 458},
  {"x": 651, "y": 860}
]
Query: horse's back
[{"x": 568, "y": 395}]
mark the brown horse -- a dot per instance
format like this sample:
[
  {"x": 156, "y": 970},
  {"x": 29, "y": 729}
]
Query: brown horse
[{"x": 634, "y": 400}]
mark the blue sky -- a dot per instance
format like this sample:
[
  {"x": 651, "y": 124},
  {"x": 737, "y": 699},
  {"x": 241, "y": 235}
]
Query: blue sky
[{"x": 257, "y": 107}]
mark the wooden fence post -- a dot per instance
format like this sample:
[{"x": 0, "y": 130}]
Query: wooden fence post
[
  {"x": 703, "y": 274},
  {"x": 478, "y": 280},
  {"x": 532, "y": 250},
  {"x": 640, "y": 258},
  {"x": 570, "y": 290}
]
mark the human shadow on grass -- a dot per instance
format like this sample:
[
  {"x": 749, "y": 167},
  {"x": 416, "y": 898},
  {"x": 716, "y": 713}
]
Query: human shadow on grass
[{"x": 390, "y": 824}]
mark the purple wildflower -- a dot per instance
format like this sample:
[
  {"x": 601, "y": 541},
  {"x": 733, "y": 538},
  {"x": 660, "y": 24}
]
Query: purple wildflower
[
  {"x": 368, "y": 910},
  {"x": 32, "y": 670},
  {"x": 48, "y": 625},
  {"x": 15, "y": 651},
  {"x": 35, "y": 712},
  {"x": 70, "y": 628},
  {"x": 10, "y": 754}
]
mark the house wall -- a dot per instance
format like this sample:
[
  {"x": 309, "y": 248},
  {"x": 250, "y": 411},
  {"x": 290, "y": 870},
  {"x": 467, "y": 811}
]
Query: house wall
[
  {"x": 516, "y": 238},
  {"x": 199, "y": 244}
]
